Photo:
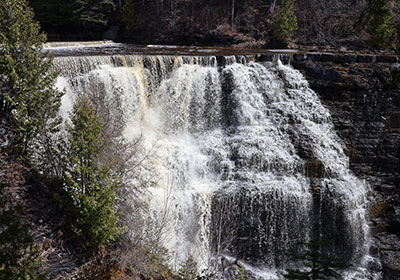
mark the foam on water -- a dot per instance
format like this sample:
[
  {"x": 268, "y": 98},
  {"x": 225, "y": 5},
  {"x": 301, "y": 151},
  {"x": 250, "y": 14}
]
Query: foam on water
[{"x": 227, "y": 152}]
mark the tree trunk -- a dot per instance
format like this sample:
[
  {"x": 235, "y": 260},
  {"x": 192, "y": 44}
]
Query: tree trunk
[
  {"x": 233, "y": 13},
  {"x": 272, "y": 4}
]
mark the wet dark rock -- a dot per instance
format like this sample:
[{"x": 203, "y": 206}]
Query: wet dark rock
[
  {"x": 327, "y": 57},
  {"x": 363, "y": 96},
  {"x": 389, "y": 245},
  {"x": 221, "y": 61},
  {"x": 378, "y": 226},
  {"x": 366, "y": 58},
  {"x": 386, "y": 58},
  {"x": 314, "y": 56},
  {"x": 374, "y": 265},
  {"x": 264, "y": 57},
  {"x": 284, "y": 58},
  {"x": 299, "y": 57},
  {"x": 374, "y": 251},
  {"x": 230, "y": 118},
  {"x": 258, "y": 239},
  {"x": 350, "y": 58},
  {"x": 315, "y": 169},
  {"x": 318, "y": 71},
  {"x": 391, "y": 265},
  {"x": 394, "y": 120},
  {"x": 339, "y": 58},
  {"x": 394, "y": 225}
]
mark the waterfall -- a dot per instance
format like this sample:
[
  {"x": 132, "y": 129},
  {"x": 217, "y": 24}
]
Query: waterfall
[{"x": 236, "y": 159}]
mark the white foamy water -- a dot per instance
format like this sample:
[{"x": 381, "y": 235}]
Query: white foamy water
[{"x": 224, "y": 157}]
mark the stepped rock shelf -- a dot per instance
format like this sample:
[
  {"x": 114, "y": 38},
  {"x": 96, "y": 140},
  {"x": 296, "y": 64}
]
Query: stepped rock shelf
[
  {"x": 253, "y": 156},
  {"x": 110, "y": 48}
]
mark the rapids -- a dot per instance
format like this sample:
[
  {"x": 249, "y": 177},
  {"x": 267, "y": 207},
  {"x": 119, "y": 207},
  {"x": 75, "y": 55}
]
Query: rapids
[{"x": 237, "y": 159}]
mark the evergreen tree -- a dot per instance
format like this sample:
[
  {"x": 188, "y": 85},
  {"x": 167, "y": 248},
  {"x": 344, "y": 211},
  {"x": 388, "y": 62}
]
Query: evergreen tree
[
  {"x": 317, "y": 265},
  {"x": 28, "y": 98},
  {"x": 128, "y": 14},
  {"x": 241, "y": 274},
  {"x": 54, "y": 13},
  {"x": 90, "y": 186},
  {"x": 89, "y": 17},
  {"x": 381, "y": 24},
  {"x": 18, "y": 258},
  {"x": 188, "y": 270},
  {"x": 287, "y": 21},
  {"x": 90, "y": 12}
]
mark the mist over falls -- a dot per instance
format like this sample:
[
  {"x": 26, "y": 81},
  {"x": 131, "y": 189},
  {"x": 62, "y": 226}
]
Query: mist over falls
[{"x": 235, "y": 159}]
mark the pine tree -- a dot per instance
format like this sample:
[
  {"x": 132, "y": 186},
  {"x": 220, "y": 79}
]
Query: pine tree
[
  {"x": 90, "y": 185},
  {"x": 287, "y": 21},
  {"x": 381, "y": 24},
  {"x": 317, "y": 265},
  {"x": 128, "y": 14},
  {"x": 54, "y": 13},
  {"x": 28, "y": 98},
  {"x": 188, "y": 270}
]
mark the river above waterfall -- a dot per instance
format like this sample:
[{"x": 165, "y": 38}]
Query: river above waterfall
[{"x": 111, "y": 48}]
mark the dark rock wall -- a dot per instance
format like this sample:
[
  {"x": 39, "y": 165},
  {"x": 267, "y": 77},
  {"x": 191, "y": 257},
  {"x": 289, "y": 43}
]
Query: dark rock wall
[
  {"x": 259, "y": 227},
  {"x": 364, "y": 100}
]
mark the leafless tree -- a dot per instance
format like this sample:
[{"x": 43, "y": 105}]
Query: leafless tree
[{"x": 272, "y": 4}]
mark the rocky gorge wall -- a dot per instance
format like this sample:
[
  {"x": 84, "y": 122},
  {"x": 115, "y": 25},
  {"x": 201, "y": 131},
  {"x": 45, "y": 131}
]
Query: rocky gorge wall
[
  {"x": 362, "y": 93},
  {"x": 363, "y": 96},
  {"x": 263, "y": 145}
]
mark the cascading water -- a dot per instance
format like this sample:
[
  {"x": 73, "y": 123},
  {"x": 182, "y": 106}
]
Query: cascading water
[{"x": 237, "y": 160}]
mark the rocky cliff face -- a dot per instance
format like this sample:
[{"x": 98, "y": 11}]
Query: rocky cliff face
[{"x": 364, "y": 100}]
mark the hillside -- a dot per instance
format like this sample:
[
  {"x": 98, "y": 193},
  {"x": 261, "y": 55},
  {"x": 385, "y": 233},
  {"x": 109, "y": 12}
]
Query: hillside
[{"x": 321, "y": 24}]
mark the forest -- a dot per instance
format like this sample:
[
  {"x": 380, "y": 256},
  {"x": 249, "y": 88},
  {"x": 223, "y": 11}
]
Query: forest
[
  {"x": 73, "y": 173},
  {"x": 246, "y": 23}
]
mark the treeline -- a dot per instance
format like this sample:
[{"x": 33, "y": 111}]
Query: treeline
[
  {"x": 70, "y": 159},
  {"x": 73, "y": 19},
  {"x": 252, "y": 23}
]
